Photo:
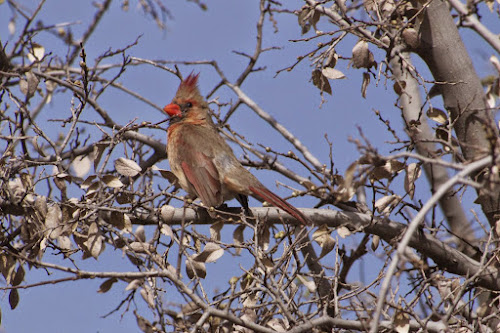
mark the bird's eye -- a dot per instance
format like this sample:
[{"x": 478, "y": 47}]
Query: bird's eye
[{"x": 189, "y": 104}]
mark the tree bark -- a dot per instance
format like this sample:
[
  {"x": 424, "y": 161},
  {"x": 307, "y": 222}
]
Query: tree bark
[
  {"x": 411, "y": 104},
  {"x": 444, "y": 52}
]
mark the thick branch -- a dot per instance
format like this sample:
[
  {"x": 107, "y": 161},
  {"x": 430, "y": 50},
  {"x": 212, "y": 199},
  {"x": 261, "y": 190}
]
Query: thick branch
[
  {"x": 442, "y": 254},
  {"x": 437, "y": 175},
  {"x": 444, "y": 52}
]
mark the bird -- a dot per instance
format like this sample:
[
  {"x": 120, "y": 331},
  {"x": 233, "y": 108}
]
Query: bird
[{"x": 204, "y": 163}]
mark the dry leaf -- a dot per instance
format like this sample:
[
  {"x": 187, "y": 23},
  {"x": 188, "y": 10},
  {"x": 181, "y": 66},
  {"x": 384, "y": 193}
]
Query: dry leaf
[
  {"x": 36, "y": 53},
  {"x": 18, "y": 276},
  {"x": 238, "y": 238},
  {"x": 97, "y": 153},
  {"x": 81, "y": 166},
  {"x": 389, "y": 169},
  {"x": 303, "y": 18},
  {"x": 195, "y": 269},
  {"x": 362, "y": 57},
  {"x": 410, "y": 36},
  {"x": 331, "y": 61},
  {"x": 133, "y": 285},
  {"x": 412, "y": 173},
  {"x": 210, "y": 253},
  {"x": 324, "y": 239},
  {"x": 277, "y": 324},
  {"x": 343, "y": 232},
  {"x": 366, "y": 82},
  {"x": 127, "y": 167},
  {"x": 310, "y": 285},
  {"x": 321, "y": 82},
  {"x": 399, "y": 87},
  {"x": 95, "y": 242},
  {"x": 148, "y": 296},
  {"x": 106, "y": 285},
  {"x": 167, "y": 230},
  {"x": 437, "y": 115},
  {"x": 140, "y": 247},
  {"x": 64, "y": 242},
  {"x": 332, "y": 73},
  {"x": 140, "y": 234},
  {"x": 169, "y": 175},
  {"x": 112, "y": 181},
  {"x": 53, "y": 222},
  {"x": 375, "y": 242},
  {"x": 387, "y": 203},
  {"x": 401, "y": 322},
  {"x": 264, "y": 237},
  {"x": 215, "y": 229},
  {"x": 7, "y": 266},
  {"x": 13, "y": 298}
]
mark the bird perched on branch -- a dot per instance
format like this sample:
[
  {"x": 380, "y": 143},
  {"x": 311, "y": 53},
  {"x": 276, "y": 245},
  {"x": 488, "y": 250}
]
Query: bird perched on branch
[{"x": 203, "y": 162}]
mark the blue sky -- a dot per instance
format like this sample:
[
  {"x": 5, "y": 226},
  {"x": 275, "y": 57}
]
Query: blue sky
[{"x": 193, "y": 34}]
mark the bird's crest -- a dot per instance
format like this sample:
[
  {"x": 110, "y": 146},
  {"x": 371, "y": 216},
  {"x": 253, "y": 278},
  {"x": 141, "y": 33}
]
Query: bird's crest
[{"x": 188, "y": 89}]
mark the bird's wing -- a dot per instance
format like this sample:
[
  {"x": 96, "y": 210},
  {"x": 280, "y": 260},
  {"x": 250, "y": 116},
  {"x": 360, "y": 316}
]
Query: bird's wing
[
  {"x": 197, "y": 163},
  {"x": 201, "y": 172}
]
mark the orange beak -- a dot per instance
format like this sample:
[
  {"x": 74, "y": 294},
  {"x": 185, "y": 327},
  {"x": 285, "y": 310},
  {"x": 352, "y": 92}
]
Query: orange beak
[{"x": 172, "y": 110}]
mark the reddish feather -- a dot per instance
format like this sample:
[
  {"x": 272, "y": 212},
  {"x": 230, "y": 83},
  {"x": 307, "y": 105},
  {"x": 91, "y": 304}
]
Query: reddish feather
[
  {"x": 193, "y": 145},
  {"x": 189, "y": 83},
  {"x": 276, "y": 201}
]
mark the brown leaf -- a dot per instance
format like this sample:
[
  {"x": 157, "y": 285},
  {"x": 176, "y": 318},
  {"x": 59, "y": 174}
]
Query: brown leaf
[
  {"x": 140, "y": 234},
  {"x": 106, "y": 285},
  {"x": 343, "y": 232},
  {"x": 332, "y": 73},
  {"x": 364, "y": 85},
  {"x": 195, "y": 269},
  {"x": 264, "y": 238},
  {"x": 331, "y": 61},
  {"x": 13, "y": 298},
  {"x": 95, "y": 241},
  {"x": 410, "y": 36},
  {"x": 148, "y": 296},
  {"x": 238, "y": 238},
  {"x": 321, "y": 82},
  {"x": 97, "y": 153},
  {"x": 303, "y": 18},
  {"x": 310, "y": 285},
  {"x": 375, "y": 242},
  {"x": 387, "y": 203},
  {"x": 324, "y": 239},
  {"x": 401, "y": 322},
  {"x": 7, "y": 266},
  {"x": 19, "y": 276},
  {"x": 127, "y": 167},
  {"x": 81, "y": 166},
  {"x": 389, "y": 169},
  {"x": 412, "y": 174},
  {"x": 169, "y": 175},
  {"x": 64, "y": 242},
  {"x": 37, "y": 52},
  {"x": 399, "y": 87},
  {"x": 362, "y": 57},
  {"x": 134, "y": 284},
  {"x": 112, "y": 181},
  {"x": 210, "y": 253},
  {"x": 215, "y": 229},
  {"x": 437, "y": 115},
  {"x": 140, "y": 247},
  {"x": 53, "y": 222}
]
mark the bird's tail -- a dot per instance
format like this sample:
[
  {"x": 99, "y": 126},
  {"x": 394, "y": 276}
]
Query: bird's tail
[{"x": 276, "y": 201}]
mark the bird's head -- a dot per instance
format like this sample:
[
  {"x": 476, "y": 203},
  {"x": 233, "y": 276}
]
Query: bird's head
[{"x": 188, "y": 102}]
